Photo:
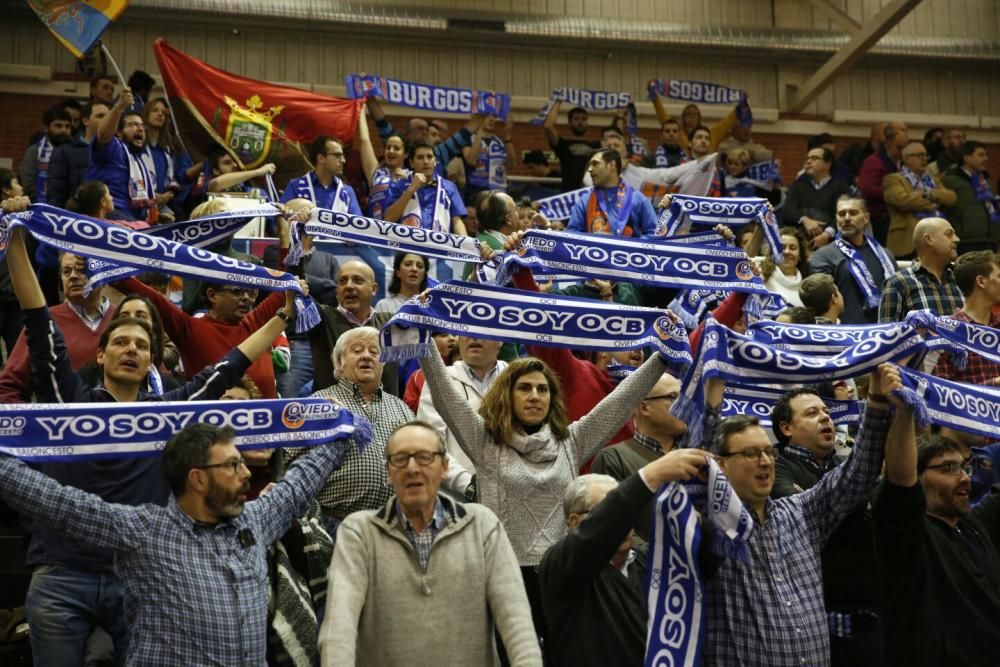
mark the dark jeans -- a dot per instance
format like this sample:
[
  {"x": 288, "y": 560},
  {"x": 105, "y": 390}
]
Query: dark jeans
[{"x": 63, "y": 607}]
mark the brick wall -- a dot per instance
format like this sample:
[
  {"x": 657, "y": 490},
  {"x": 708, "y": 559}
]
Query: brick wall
[{"x": 22, "y": 118}]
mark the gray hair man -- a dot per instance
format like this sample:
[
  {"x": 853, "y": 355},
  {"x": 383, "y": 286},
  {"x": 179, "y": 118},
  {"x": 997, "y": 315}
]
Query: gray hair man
[
  {"x": 422, "y": 556},
  {"x": 360, "y": 483}
]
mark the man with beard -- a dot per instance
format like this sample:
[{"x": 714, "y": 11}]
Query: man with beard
[
  {"x": 656, "y": 433},
  {"x": 195, "y": 570},
  {"x": 116, "y": 160},
  {"x": 34, "y": 169},
  {"x": 73, "y": 587},
  {"x": 938, "y": 559}
]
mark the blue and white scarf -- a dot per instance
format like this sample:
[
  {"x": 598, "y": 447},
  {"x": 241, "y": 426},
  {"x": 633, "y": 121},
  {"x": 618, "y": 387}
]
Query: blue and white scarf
[
  {"x": 45, "y": 149},
  {"x": 712, "y": 211},
  {"x": 560, "y": 207},
  {"x": 591, "y": 100},
  {"x": 427, "y": 97},
  {"x": 983, "y": 340},
  {"x": 965, "y": 407},
  {"x": 674, "y": 588},
  {"x": 764, "y": 171},
  {"x": 97, "y": 239},
  {"x": 923, "y": 183},
  {"x": 378, "y": 192},
  {"x": 661, "y": 158},
  {"x": 981, "y": 188},
  {"x": 859, "y": 270},
  {"x": 327, "y": 224},
  {"x": 662, "y": 263},
  {"x": 43, "y": 432},
  {"x": 200, "y": 233},
  {"x": 619, "y": 372},
  {"x": 700, "y": 92},
  {"x": 490, "y": 172},
  {"x": 737, "y": 358},
  {"x": 497, "y": 313},
  {"x": 743, "y": 399}
]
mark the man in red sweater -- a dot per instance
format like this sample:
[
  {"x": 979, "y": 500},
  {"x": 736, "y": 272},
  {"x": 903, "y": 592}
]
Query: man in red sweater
[
  {"x": 81, "y": 320},
  {"x": 230, "y": 319}
]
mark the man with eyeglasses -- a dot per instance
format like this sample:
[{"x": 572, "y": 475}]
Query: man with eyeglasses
[
  {"x": 807, "y": 438},
  {"x": 938, "y": 558},
  {"x": 73, "y": 586},
  {"x": 858, "y": 263},
  {"x": 116, "y": 160},
  {"x": 656, "y": 433},
  {"x": 194, "y": 570},
  {"x": 812, "y": 201},
  {"x": 324, "y": 185},
  {"x": 423, "y": 579},
  {"x": 232, "y": 316},
  {"x": 771, "y": 612},
  {"x": 911, "y": 195}
]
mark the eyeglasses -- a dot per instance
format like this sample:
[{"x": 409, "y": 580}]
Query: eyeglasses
[
  {"x": 402, "y": 460},
  {"x": 240, "y": 292},
  {"x": 754, "y": 453},
  {"x": 233, "y": 465},
  {"x": 666, "y": 397},
  {"x": 923, "y": 155},
  {"x": 337, "y": 156},
  {"x": 953, "y": 468}
]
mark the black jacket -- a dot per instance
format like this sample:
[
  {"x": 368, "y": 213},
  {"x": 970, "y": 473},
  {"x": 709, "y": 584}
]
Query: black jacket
[{"x": 67, "y": 170}]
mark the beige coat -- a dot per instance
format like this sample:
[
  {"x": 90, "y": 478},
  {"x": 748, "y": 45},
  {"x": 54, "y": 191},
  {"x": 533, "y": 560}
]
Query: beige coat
[{"x": 904, "y": 203}]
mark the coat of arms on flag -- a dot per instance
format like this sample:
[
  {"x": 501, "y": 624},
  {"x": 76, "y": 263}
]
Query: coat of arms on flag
[{"x": 249, "y": 130}]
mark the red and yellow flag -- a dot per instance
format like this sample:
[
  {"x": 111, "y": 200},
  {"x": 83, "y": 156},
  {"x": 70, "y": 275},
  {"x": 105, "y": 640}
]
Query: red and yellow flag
[{"x": 255, "y": 121}]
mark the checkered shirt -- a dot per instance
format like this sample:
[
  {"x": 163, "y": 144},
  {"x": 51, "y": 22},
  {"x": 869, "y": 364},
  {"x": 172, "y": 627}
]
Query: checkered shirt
[
  {"x": 916, "y": 288},
  {"x": 423, "y": 541},
  {"x": 979, "y": 370},
  {"x": 770, "y": 613},
  {"x": 195, "y": 593},
  {"x": 361, "y": 482}
]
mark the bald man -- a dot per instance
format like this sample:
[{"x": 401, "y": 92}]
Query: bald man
[
  {"x": 356, "y": 287},
  {"x": 929, "y": 281}
]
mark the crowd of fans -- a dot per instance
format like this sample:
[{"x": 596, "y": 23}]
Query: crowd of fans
[{"x": 502, "y": 509}]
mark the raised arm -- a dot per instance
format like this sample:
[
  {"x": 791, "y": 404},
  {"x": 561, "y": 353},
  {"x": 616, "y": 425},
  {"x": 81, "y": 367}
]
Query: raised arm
[
  {"x": 550, "y": 125},
  {"x": 840, "y": 491},
  {"x": 109, "y": 124},
  {"x": 22, "y": 275},
  {"x": 382, "y": 124},
  {"x": 68, "y": 510},
  {"x": 290, "y": 498},
  {"x": 369, "y": 163},
  {"x": 597, "y": 427},
  {"x": 260, "y": 340},
  {"x": 467, "y": 426}
]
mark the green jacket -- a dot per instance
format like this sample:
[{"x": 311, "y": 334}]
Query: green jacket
[{"x": 968, "y": 217}]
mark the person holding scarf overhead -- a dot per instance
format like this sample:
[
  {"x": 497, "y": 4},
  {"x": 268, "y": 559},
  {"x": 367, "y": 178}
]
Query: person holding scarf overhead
[
  {"x": 612, "y": 206},
  {"x": 116, "y": 160},
  {"x": 911, "y": 195},
  {"x": 425, "y": 199}
]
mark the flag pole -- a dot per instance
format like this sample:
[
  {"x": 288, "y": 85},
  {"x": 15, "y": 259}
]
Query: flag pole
[{"x": 110, "y": 59}]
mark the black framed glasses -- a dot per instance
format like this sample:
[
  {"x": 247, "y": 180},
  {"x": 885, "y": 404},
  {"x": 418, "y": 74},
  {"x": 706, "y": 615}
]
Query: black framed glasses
[
  {"x": 233, "y": 465},
  {"x": 664, "y": 397},
  {"x": 402, "y": 459},
  {"x": 754, "y": 453},
  {"x": 240, "y": 292},
  {"x": 953, "y": 468}
]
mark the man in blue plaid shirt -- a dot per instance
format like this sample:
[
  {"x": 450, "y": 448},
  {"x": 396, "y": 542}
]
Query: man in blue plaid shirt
[
  {"x": 770, "y": 612},
  {"x": 195, "y": 571}
]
